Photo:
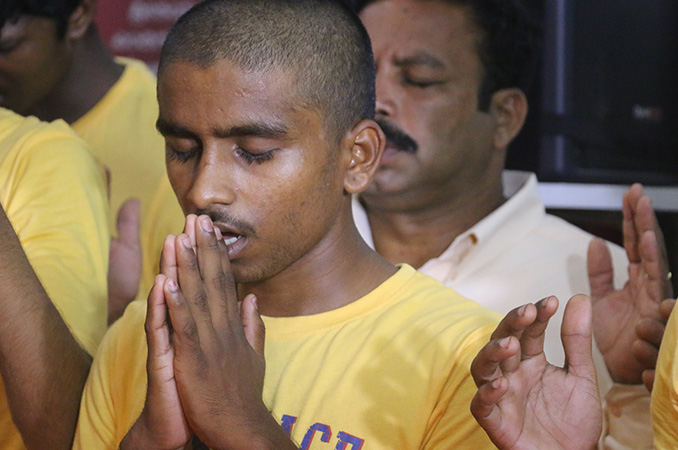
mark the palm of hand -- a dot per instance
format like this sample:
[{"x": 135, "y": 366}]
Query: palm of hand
[
  {"x": 614, "y": 318},
  {"x": 550, "y": 404}
]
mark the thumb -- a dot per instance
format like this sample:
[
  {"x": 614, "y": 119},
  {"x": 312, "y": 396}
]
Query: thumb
[
  {"x": 128, "y": 223},
  {"x": 600, "y": 271},
  {"x": 255, "y": 330},
  {"x": 576, "y": 336}
]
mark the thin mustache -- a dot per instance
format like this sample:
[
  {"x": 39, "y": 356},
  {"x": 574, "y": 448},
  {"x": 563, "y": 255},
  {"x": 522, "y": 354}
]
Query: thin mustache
[
  {"x": 228, "y": 220},
  {"x": 398, "y": 138}
]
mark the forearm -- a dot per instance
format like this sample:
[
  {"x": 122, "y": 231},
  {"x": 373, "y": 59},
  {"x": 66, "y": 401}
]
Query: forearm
[{"x": 42, "y": 366}]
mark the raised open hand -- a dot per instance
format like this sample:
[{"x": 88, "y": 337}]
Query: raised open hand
[
  {"x": 523, "y": 402},
  {"x": 623, "y": 317}
]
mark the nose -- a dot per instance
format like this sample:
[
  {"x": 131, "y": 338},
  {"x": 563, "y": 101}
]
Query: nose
[
  {"x": 385, "y": 100},
  {"x": 211, "y": 184}
]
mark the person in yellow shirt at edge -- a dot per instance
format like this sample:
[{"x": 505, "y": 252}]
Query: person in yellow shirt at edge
[
  {"x": 54, "y": 65},
  {"x": 269, "y": 132},
  {"x": 54, "y": 193},
  {"x": 665, "y": 392}
]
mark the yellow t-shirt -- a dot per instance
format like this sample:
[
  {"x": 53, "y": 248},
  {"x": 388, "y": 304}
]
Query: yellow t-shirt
[
  {"x": 388, "y": 371},
  {"x": 54, "y": 194},
  {"x": 664, "y": 404},
  {"x": 120, "y": 129}
]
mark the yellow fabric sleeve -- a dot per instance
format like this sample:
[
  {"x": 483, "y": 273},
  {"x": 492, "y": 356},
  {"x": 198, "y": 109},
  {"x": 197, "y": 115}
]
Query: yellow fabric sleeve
[
  {"x": 54, "y": 195},
  {"x": 664, "y": 404}
]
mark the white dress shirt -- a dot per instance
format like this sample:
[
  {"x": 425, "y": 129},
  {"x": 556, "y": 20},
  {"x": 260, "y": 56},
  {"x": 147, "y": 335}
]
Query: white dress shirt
[{"x": 519, "y": 254}]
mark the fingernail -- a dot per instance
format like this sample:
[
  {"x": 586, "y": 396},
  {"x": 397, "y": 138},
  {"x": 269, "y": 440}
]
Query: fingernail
[
  {"x": 255, "y": 303},
  {"x": 504, "y": 343},
  {"x": 186, "y": 241},
  {"x": 542, "y": 303},
  {"x": 217, "y": 231},
  {"x": 206, "y": 224},
  {"x": 172, "y": 285},
  {"x": 521, "y": 310}
]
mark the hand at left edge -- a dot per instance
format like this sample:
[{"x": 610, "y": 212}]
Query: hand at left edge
[
  {"x": 219, "y": 347},
  {"x": 124, "y": 259}
]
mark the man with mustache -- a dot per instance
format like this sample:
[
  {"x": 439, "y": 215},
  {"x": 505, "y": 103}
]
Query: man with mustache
[{"x": 450, "y": 82}]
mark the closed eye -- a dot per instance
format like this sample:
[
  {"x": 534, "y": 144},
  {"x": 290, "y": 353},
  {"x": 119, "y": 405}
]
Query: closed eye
[
  {"x": 250, "y": 158},
  {"x": 181, "y": 156}
]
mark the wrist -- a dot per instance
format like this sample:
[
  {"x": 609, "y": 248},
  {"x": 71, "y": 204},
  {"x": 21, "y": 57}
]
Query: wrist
[
  {"x": 141, "y": 436},
  {"x": 257, "y": 431}
]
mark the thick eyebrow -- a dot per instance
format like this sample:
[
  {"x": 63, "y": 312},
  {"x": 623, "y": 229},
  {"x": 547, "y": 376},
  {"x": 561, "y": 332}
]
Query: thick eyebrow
[
  {"x": 262, "y": 129},
  {"x": 167, "y": 129},
  {"x": 420, "y": 59}
]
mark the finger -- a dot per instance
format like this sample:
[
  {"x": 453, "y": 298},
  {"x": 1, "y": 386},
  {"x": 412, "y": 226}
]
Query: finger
[
  {"x": 648, "y": 379},
  {"x": 219, "y": 286},
  {"x": 157, "y": 330},
  {"x": 576, "y": 336},
  {"x": 515, "y": 322},
  {"x": 484, "y": 405},
  {"x": 600, "y": 269},
  {"x": 666, "y": 307},
  {"x": 629, "y": 230},
  {"x": 189, "y": 228},
  {"x": 223, "y": 249},
  {"x": 651, "y": 331},
  {"x": 532, "y": 340},
  {"x": 486, "y": 366},
  {"x": 192, "y": 286},
  {"x": 186, "y": 333},
  {"x": 255, "y": 330},
  {"x": 653, "y": 271},
  {"x": 645, "y": 353},
  {"x": 168, "y": 258},
  {"x": 655, "y": 266},
  {"x": 128, "y": 223}
]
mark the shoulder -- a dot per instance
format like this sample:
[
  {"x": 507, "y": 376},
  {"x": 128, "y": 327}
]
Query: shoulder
[
  {"x": 137, "y": 74},
  {"x": 43, "y": 143},
  {"x": 425, "y": 307}
]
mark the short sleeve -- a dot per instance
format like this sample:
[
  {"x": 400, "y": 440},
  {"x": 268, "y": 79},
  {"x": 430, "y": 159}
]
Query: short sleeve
[{"x": 55, "y": 196}]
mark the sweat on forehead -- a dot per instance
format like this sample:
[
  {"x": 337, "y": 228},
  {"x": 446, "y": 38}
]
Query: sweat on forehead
[{"x": 320, "y": 42}]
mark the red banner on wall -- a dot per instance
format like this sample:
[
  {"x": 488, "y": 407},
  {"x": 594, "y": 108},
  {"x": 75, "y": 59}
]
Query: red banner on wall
[{"x": 137, "y": 28}]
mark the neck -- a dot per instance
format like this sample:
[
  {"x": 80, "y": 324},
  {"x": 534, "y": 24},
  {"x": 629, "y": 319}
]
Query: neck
[
  {"x": 339, "y": 270},
  {"x": 419, "y": 233},
  {"x": 91, "y": 75}
]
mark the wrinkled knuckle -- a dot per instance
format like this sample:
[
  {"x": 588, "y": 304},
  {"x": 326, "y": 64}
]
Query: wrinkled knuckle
[
  {"x": 192, "y": 264},
  {"x": 221, "y": 282},
  {"x": 200, "y": 299},
  {"x": 228, "y": 283},
  {"x": 213, "y": 245},
  {"x": 190, "y": 333}
]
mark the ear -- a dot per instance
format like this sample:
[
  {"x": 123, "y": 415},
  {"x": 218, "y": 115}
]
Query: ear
[
  {"x": 509, "y": 109},
  {"x": 366, "y": 141},
  {"x": 80, "y": 19}
]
